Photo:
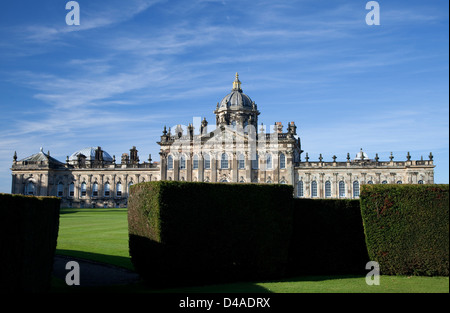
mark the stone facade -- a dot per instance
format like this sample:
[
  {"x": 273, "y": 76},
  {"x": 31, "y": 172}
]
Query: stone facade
[{"x": 237, "y": 150}]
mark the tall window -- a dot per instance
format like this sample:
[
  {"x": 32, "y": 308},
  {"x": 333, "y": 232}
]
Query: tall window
[
  {"x": 327, "y": 189},
  {"x": 195, "y": 163},
  {"x": 60, "y": 189},
  {"x": 241, "y": 161},
  {"x": 29, "y": 188},
  {"x": 255, "y": 162},
  {"x": 341, "y": 189},
  {"x": 282, "y": 161},
  {"x": 224, "y": 161},
  {"x": 420, "y": 182},
  {"x": 170, "y": 162},
  {"x": 107, "y": 190},
  {"x": 95, "y": 190},
  {"x": 131, "y": 184},
  {"x": 300, "y": 188},
  {"x": 83, "y": 189},
  {"x": 313, "y": 189},
  {"x": 207, "y": 161},
  {"x": 355, "y": 189},
  {"x": 182, "y": 162},
  {"x": 71, "y": 189},
  {"x": 119, "y": 190},
  {"x": 268, "y": 161}
]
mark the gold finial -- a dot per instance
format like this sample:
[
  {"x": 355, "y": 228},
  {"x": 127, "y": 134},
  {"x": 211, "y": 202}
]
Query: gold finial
[{"x": 237, "y": 83}]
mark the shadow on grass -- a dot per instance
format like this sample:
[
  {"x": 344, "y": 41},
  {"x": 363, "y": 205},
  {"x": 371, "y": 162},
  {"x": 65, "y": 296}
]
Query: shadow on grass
[{"x": 114, "y": 260}]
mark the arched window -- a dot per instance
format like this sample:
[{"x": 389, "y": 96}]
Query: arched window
[
  {"x": 370, "y": 182},
  {"x": 170, "y": 162},
  {"x": 399, "y": 182},
  {"x": 241, "y": 161},
  {"x": 60, "y": 189},
  {"x": 224, "y": 161},
  {"x": 355, "y": 189},
  {"x": 182, "y": 162},
  {"x": 224, "y": 180},
  {"x": 300, "y": 188},
  {"x": 29, "y": 188},
  {"x": 207, "y": 161},
  {"x": 341, "y": 189},
  {"x": 313, "y": 189},
  {"x": 255, "y": 162},
  {"x": 83, "y": 189},
  {"x": 119, "y": 189},
  {"x": 282, "y": 161},
  {"x": 268, "y": 161},
  {"x": 95, "y": 190},
  {"x": 71, "y": 189},
  {"x": 195, "y": 163},
  {"x": 384, "y": 182},
  {"x": 420, "y": 182},
  {"x": 107, "y": 190},
  {"x": 327, "y": 189}
]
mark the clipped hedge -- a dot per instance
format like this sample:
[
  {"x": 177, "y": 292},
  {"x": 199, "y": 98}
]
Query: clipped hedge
[
  {"x": 328, "y": 238},
  {"x": 28, "y": 233},
  {"x": 407, "y": 228},
  {"x": 192, "y": 233}
]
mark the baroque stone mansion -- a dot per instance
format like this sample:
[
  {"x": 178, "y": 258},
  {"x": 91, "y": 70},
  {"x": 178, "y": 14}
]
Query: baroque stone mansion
[{"x": 238, "y": 150}]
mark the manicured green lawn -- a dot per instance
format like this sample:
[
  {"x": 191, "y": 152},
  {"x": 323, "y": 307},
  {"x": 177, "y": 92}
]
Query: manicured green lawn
[
  {"x": 102, "y": 235},
  {"x": 96, "y": 234}
]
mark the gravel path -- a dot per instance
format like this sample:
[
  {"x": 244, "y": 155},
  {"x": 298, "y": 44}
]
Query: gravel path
[{"x": 93, "y": 273}]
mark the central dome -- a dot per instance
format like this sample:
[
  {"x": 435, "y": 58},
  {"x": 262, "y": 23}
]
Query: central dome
[
  {"x": 236, "y": 98},
  {"x": 89, "y": 153}
]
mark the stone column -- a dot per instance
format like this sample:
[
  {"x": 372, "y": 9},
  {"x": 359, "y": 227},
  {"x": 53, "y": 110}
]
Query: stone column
[
  {"x": 13, "y": 183},
  {"x": 213, "y": 160},
  {"x": 163, "y": 165},
  {"x": 307, "y": 185},
  {"x": 350, "y": 186},
  {"x": 234, "y": 167},
  {"x": 189, "y": 167},
  {"x": 77, "y": 187},
  {"x": 201, "y": 166},
  {"x": 321, "y": 186},
  {"x": 248, "y": 167},
  {"x": 335, "y": 190}
]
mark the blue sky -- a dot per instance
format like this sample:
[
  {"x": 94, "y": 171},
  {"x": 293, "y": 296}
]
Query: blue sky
[{"x": 132, "y": 67}]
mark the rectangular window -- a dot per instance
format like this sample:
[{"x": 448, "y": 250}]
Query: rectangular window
[
  {"x": 327, "y": 189},
  {"x": 255, "y": 162},
  {"x": 314, "y": 189},
  {"x": 341, "y": 189},
  {"x": 241, "y": 163},
  {"x": 300, "y": 189}
]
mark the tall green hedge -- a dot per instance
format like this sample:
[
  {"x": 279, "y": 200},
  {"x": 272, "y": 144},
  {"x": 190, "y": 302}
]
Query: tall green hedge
[
  {"x": 28, "y": 233},
  {"x": 407, "y": 228},
  {"x": 328, "y": 238},
  {"x": 182, "y": 232}
]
